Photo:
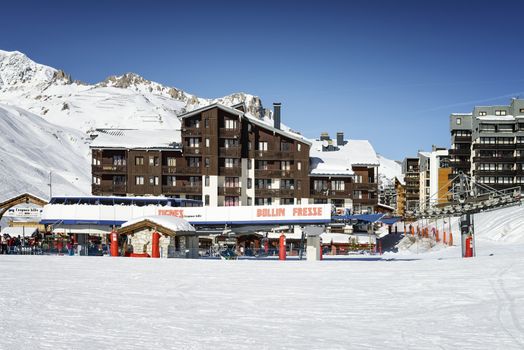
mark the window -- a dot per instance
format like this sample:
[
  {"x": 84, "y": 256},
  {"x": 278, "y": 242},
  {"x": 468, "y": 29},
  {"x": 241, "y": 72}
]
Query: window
[
  {"x": 337, "y": 185},
  {"x": 231, "y": 162},
  {"x": 206, "y": 197},
  {"x": 262, "y": 146},
  {"x": 320, "y": 185},
  {"x": 262, "y": 201},
  {"x": 482, "y": 113},
  {"x": 487, "y": 127},
  {"x": 521, "y": 110},
  {"x": 320, "y": 201},
  {"x": 231, "y": 201},
  {"x": 249, "y": 183},
  {"x": 232, "y": 182},
  {"x": 287, "y": 201},
  {"x": 285, "y": 146},
  {"x": 285, "y": 165},
  {"x": 194, "y": 142},
  {"x": 193, "y": 123},
  {"x": 459, "y": 121},
  {"x": 299, "y": 166},
  {"x": 231, "y": 123},
  {"x": 358, "y": 179},
  {"x": 357, "y": 194},
  {"x": 500, "y": 112},
  {"x": 207, "y": 142},
  {"x": 207, "y": 162},
  {"x": 299, "y": 184},
  {"x": 194, "y": 181},
  {"x": 249, "y": 164},
  {"x": 119, "y": 160},
  {"x": 153, "y": 180},
  {"x": 119, "y": 180},
  {"x": 96, "y": 180},
  {"x": 262, "y": 165},
  {"x": 206, "y": 180},
  {"x": 228, "y": 143},
  {"x": 262, "y": 183},
  {"x": 206, "y": 123},
  {"x": 287, "y": 184},
  {"x": 171, "y": 161},
  {"x": 153, "y": 161},
  {"x": 139, "y": 160},
  {"x": 249, "y": 201},
  {"x": 139, "y": 180},
  {"x": 299, "y": 147},
  {"x": 171, "y": 180},
  {"x": 194, "y": 162}
]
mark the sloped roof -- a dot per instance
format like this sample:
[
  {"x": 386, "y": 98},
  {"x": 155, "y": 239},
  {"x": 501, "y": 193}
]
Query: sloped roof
[{"x": 170, "y": 224}]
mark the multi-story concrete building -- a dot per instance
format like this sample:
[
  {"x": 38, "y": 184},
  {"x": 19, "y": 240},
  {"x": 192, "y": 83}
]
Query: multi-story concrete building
[
  {"x": 497, "y": 144},
  {"x": 434, "y": 177},
  {"x": 226, "y": 157}
]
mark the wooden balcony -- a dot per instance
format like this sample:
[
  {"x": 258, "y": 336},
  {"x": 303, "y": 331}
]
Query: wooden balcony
[
  {"x": 229, "y": 133},
  {"x": 366, "y": 186},
  {"x": 268, "y": 173},
  {"x": 189, "y": 170},
  {"x": 114, "y": 188},
  {"x": 109, "y": 169},
  {"x": 267, "y": 192},
  {"x": 287, "y": 192},
  {"x": 262, "y": 154},
  {"x": 365, "y": 201},
  {"x": 237, "y": 171},
  {"x": 197, "y": 189},
  {"x": 229, "y": 191},
  {"x": 192, "y": 151},
  {"x": 462, "y": 139},
  {"x": 229, "y": 152},
  {"x": 285, "y": 155},
  {"x": 191, "y": 131},
  {"x": 169, "y": 169}
]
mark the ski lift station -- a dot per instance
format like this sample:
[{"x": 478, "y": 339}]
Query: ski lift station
[{"x": 247, "y": 229}]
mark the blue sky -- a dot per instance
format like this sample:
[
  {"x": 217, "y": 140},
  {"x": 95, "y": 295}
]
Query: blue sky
[{"x": 390, "y": 72}]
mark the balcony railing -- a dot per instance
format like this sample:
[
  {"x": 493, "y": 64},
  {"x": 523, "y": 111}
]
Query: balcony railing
[
  {"x": 229, "y": 133},
  {"x": 459, "y": 152},
  {"x": 189, "y": 170},
  {"x": 285, "y": 154},
  {"x": 268, "y": 173},
  {"x": 109, "y": 168},
  {"x": 462, "y": 139},
  {"x": 287, "y": 192},
  {"x": 366, "y": 201},
  {"x": 491, "y": 159},
  {"x": 168, "y": 169},
  {"x": 197, "y": 189},
  {"x": 237, "y": 171},
  {"x": 192, "y": 151},
  {"x": 229, "y": 191},
  {"x": 263, "y": 154},
  {"x": 365, "y": 186},
  {"x": 502, "y": 172},
  {"x": 267, "y": 192},
  {"x": 494, "y": 146},
  {"x": 191, "y": 131},
  {"x": 115, "y": 188},
  {"x": 231, "y": 152}
]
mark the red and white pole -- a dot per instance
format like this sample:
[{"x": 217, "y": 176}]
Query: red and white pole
[
  {"x": 114, "y": 243},
  {"x": 282, "y": 248},
  {"x": 155, "y": 245}
]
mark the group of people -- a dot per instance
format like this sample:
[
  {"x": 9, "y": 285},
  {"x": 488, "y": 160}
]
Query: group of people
[{"x": 18, "y": 245}]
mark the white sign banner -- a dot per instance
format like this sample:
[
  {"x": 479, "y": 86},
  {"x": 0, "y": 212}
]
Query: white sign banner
[{"x": 24, "y": 212}]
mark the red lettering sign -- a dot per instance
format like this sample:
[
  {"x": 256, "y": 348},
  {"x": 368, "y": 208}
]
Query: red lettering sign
[{"x": 179, "y": 213}]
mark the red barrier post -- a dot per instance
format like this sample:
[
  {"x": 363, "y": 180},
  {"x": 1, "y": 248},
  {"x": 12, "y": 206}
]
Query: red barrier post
[
  {"x": 155, "y": 245},
  {"x": 282, "y": 248},
  {"x": 450, "y": 239},
  {"x": 469, "y": 248},
  {"x": 444, "y": 239},
  {"x": 114, "y": 243}
]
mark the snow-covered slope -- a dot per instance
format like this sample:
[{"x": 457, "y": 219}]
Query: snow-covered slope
[{"x": 30, "y": 148}]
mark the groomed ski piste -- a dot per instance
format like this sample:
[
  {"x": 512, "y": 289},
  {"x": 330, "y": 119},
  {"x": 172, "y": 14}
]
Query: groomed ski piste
[{"x": 424, "y": 297}]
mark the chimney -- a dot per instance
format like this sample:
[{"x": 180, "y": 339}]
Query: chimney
[
  {"x": 340, "y": 138},
  {"x": 276, "y": 114},
  {"x": 324, "y": 136}
]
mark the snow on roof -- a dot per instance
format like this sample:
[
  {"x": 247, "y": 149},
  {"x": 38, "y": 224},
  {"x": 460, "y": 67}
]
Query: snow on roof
[
  {"x": 263, "y": 122},
  {"x": 337, "y": 238},
  {"x": 343, "y": 158},
  {"x": 497, "y": 117},
  {"x": 401, "y": 180},
  {"x": 121, "y": 138},
  {"x": 462, "y": 114},
  {"x": 18, "y": 231},
  {"x": 170, "y": 222}
]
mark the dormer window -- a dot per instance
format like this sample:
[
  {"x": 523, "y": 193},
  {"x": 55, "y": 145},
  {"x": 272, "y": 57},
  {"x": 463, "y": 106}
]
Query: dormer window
[
  {"x": 500, "y": 112},
  {"x": 482, "y": 113}
]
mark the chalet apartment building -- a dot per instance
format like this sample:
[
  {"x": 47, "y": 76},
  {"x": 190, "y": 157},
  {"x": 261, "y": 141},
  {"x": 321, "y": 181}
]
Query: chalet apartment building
[
  {"x": 434, "y": 177},
  {"x": 488, "y": 144},
  {"x": 226, "y": 157}
]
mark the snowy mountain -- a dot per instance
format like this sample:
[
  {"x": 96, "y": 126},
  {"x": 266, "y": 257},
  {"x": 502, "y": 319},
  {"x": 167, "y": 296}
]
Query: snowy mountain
[{"x": 387, "y": 171}]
